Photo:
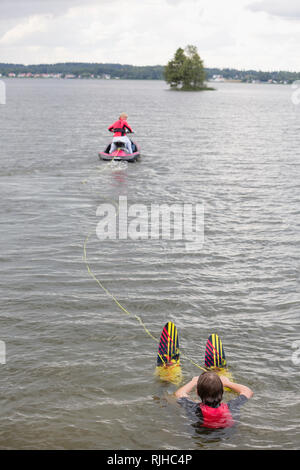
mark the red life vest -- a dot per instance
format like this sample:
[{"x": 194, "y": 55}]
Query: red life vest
[
  {"x": 219, "y": 417},
  {"x": 119, "y": 128}
]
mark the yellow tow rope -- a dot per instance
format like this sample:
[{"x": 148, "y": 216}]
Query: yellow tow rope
[{"x": 123, "y": 308}]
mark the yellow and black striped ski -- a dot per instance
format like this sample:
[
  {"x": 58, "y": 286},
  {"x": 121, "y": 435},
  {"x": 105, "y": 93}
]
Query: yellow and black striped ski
[
  {"x": 168, "y": 350},
  {"x": 214, "y": 353}
]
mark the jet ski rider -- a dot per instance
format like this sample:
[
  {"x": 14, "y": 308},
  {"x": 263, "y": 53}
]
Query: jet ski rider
[{"x": 119, "y": 129}]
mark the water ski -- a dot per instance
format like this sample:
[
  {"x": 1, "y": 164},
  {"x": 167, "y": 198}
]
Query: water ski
[
  {"x": 168, "y": 357},
  {"x": 214, "y": 353},
  {"x": 215, "y": 358}
]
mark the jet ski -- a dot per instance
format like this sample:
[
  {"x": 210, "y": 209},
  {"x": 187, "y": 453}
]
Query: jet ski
[{"x": 121, "y": 153}]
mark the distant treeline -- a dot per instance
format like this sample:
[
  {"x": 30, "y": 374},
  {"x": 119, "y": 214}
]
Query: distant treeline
[
  {"x": 131, "y": 72},
  {"x": 88, "y": 69},
  {"x": 250, "y": 75}
]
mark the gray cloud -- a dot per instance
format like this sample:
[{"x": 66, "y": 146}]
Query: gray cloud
[
  {"x": 13, "y": 11},
  {"x": 289, "y": 9},
  {"x": 24, "y": 8},
  {"x": 49, "y": 31}
]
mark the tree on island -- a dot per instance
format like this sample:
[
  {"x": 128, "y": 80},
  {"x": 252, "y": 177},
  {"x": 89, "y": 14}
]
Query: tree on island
[{"x": 186, "y": 70}]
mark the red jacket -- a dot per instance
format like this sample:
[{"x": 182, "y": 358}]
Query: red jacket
[
  {"x": 216, "y": 417},
  {"x": 119, "y": 128},
  {"x": 224, "y": 416}
]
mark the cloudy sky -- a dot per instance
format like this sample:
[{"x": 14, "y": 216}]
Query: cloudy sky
[{"x": 256, "y": 34}]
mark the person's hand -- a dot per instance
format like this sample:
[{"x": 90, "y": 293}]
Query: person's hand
[
  {"x": 195, "y": 380},
  {"x": 225, "y": 381}
]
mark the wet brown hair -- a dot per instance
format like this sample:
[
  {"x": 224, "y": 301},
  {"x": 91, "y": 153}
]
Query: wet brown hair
[{"x": 210, "y": 389}]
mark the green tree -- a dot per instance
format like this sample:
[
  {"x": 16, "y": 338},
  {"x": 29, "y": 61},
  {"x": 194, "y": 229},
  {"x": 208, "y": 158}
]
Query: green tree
[
  {"x": 186, "y": 70},
  {"x": 173, "y": 72}
]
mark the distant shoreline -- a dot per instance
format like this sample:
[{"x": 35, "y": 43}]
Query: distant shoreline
[{"x": 78, "y": 70}]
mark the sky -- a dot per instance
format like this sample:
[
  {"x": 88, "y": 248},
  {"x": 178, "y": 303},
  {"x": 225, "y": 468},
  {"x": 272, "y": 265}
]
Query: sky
[{"x": 242, "y": 34}]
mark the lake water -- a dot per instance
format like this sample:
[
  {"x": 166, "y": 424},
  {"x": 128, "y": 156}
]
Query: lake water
[{"x": 79, "y": 372}]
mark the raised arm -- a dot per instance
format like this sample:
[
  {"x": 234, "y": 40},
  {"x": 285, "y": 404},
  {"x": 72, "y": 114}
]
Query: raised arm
[
  {"x": 238, "y": 388},
  {"x": 187, "y": 388}
]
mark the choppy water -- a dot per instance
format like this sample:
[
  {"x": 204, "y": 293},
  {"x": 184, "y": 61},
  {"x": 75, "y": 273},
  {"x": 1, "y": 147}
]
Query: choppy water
[{"x": 79, "y": 373}]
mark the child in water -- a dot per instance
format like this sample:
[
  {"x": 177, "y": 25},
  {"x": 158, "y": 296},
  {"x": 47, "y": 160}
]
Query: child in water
[
  {"x": 210, "y": 411},
  {"x": 119, "y": 128}
]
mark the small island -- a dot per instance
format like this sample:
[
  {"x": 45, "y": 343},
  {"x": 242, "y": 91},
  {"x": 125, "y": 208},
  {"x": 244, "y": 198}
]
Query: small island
[{"x": 185, "y": 72}]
